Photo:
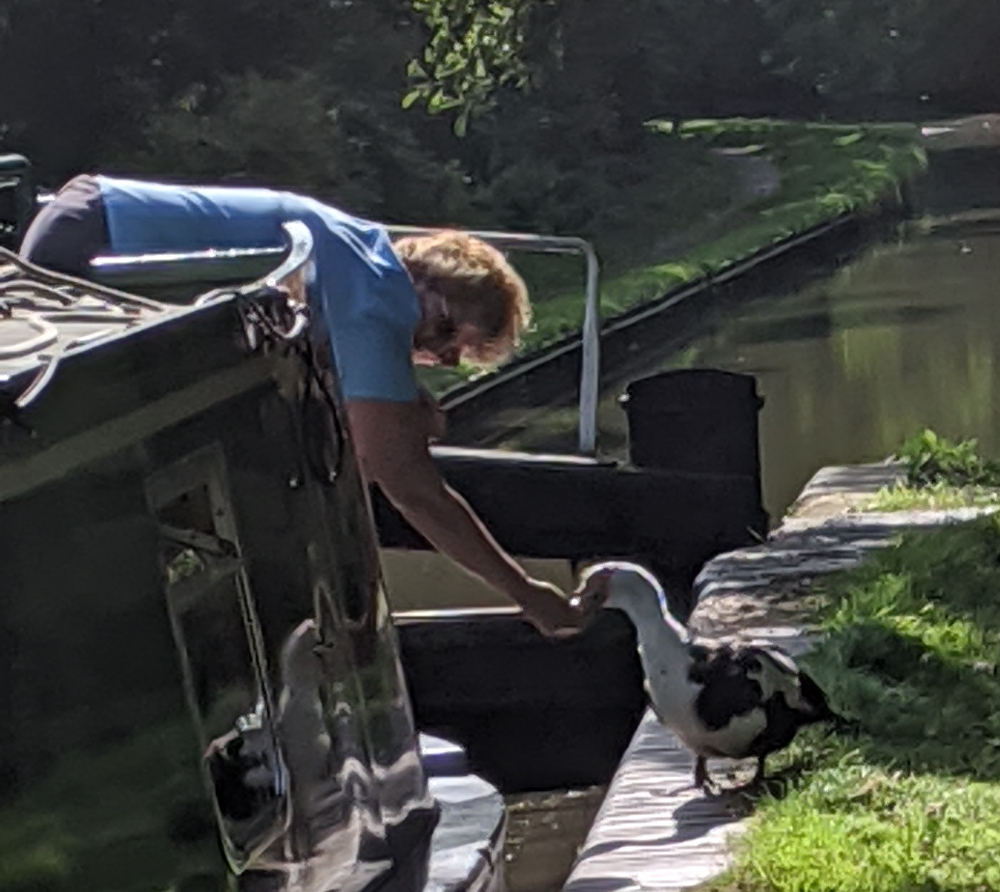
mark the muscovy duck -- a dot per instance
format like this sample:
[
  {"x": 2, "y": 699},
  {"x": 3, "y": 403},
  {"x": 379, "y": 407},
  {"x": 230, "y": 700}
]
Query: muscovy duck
[{"x": 729, "y": 700}]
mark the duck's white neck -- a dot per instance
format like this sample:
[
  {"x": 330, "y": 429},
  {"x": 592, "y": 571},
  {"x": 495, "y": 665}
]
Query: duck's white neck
[
  {"x": 663, "y": 650},
  {"x": 657, "y": 631}
]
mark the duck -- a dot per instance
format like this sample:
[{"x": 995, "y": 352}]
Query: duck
[{"x": 721, "y": 699}]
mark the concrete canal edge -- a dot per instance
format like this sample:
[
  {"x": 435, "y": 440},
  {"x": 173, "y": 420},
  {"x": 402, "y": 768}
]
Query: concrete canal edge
[{"x": 653, "y": 832}]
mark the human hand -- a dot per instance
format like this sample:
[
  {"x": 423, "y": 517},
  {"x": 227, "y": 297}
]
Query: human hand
[
  {"x": 591, "y": 591},
  {"x": 550, "y": 611}
]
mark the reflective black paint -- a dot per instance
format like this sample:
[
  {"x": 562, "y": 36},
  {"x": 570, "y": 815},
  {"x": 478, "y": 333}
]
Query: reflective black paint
[{"x": 199, "y": 679}]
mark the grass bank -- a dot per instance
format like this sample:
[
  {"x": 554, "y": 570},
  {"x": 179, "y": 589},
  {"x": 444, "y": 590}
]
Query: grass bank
[
  {"x": 910, "y": 652},
  {"x": 825, "y": 170},
  {"x": 940, "y": 474}
]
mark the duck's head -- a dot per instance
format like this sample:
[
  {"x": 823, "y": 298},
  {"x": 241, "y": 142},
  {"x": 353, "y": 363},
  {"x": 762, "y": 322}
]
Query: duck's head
[{"x": 619, "y": 585}]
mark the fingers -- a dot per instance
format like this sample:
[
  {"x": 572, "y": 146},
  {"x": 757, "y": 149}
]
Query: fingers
[
  {"x": 568, "y": 621},
  {"x": 556, "y": 615},
  {"x": 590, "y": 596},
  {"x": 557, "y": 632}
]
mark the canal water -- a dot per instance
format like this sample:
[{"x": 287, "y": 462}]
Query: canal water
[
  {"x": 905, "y": 337},
  {"x": 544, "y": 834}
]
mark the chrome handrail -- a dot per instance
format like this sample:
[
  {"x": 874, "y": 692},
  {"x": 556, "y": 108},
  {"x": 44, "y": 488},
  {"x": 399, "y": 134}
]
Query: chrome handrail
[
  {"x": 300, "y": 254},
  {"x": 590, "y": 367},
  {"x": 298, "y": 257},
  {"x": 223, "y": 265},
  {"x": 174, "y": 267}
]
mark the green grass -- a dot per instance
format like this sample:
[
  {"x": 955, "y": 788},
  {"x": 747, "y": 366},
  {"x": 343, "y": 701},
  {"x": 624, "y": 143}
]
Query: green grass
[
  {"x": 910, "y": 645},
  {"x": 938, "y": 496},
  {"x": 930, "y": 459},
  {"x": 826, "y": 170},
  {"x": 940, "y": 474},
  {"x": 96, "y": 821}
]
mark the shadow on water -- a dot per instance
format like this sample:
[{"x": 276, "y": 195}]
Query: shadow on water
[{"x": 821, "y": 325}]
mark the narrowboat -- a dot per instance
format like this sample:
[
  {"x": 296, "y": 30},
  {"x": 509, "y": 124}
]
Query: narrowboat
[
  {"x": 527, "y": 713},
  {"x": 200, "y": 676}
]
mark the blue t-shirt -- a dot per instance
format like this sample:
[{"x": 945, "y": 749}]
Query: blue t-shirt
[{"x": 364, "y": 293}]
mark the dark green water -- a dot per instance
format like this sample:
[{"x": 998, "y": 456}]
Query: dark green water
[{"x": 906, "y": 337}]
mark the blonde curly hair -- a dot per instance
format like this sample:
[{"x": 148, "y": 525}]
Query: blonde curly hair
[{"x": 479, "y": 284}]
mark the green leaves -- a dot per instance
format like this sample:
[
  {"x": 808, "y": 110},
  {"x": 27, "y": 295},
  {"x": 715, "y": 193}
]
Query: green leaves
[
  {"x": 932, "y": 459},
  {"x": 474, "y": 47}
]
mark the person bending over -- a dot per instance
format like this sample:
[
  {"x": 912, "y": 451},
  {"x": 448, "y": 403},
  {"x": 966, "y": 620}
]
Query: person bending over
[{"x": 436, "y": 299}]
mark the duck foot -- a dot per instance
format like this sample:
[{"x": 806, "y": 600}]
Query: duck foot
[
  {"x": 701, "y": 779},
  {"x": 757, "y": 783}
]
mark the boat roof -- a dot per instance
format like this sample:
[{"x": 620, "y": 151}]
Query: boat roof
[{"x": 45, "y": 316}]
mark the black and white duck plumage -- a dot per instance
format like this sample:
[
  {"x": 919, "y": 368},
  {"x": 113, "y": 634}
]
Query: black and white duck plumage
[{"x": 721, "y": 699}]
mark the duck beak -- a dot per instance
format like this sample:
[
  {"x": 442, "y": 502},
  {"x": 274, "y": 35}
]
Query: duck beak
[{"x": 593, "y": 591}]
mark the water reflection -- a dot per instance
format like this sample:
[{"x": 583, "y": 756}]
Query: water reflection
[
  {"x": 903, "y": 338},
  {"x": 209, "y": 656},
  {"x": 821, "y": 325}
]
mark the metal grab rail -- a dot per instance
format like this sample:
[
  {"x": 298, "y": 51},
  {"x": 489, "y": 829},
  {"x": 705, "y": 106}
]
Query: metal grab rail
[
  {"x": 217, "y": 265},
  {"x": 174, "y": 267},
  {"x": 590, "y": 369}
]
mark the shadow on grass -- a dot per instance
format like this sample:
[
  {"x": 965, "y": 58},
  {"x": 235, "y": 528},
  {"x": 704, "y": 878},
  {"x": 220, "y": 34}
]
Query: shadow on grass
[
  {"x": 910, "y": 658},
  {"x": 910, "y": 653}
]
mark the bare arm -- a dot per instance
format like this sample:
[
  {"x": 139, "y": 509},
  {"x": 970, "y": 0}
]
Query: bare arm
[{"x": 391, "y": 441}]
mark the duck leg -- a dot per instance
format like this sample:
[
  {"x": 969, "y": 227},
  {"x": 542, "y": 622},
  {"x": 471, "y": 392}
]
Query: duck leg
[
  {"x": 701, "y": 779},
  {"x": 758, "y": 775},
  {"x": 700, "y": 773}
]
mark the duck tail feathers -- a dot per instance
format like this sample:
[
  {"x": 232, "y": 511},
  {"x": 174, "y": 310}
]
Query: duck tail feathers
[
  {"x": 821, "y": 712},
  {"x": 818, "y": 707}
]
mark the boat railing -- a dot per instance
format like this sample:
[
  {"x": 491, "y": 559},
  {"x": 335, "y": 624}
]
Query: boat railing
[{"x": 219, "y": 266}]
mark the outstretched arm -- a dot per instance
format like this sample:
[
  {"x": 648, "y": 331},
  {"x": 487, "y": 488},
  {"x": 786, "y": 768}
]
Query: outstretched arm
[{"x": 391, "y": 442}]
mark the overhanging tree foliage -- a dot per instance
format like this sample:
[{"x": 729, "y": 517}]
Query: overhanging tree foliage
[
  {"x": 473, "y": 48},
  {"x": 553, "y": 94}
]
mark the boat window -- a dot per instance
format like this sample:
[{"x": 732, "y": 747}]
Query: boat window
[{"x": 217, "y": 635}]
